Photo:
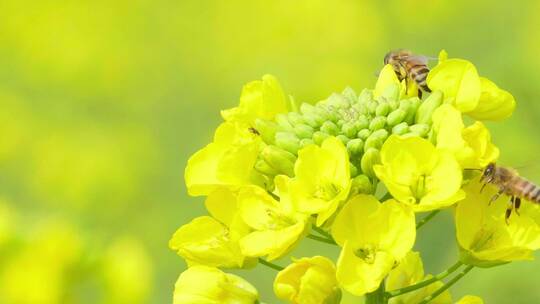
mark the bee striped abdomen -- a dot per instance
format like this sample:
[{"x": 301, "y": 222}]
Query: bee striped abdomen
[
  {"x": 419, "y": 74},
  {"x": 528, "y": 190}
]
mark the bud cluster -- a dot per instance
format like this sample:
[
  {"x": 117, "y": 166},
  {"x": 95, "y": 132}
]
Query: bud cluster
[{"x": 362, "y": 122}]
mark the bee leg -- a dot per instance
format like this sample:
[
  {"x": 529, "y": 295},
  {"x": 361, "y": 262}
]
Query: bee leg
[
  {"x": 419, "y": 93},
  {"x": 483, "y": 186},
  {"x": 517, "y": 204},
  {"x": 509, "y": 209},
  {"x": 496, "y": 196}
]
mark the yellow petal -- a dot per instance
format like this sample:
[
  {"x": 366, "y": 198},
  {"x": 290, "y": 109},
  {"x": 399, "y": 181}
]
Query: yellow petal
[
  {"x": 459, "y": 82},
  {"x": 495, "y": 104}
]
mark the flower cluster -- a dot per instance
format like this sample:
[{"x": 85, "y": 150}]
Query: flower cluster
[{"x": 353, "y": 171}]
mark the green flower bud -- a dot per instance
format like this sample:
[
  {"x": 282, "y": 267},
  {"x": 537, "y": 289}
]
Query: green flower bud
[
  {"x": 365, "y": 96},
  {"x": 288, "y": 141},
  {"x": 419, "y": 129},
  {"x": 350, "y": 94},
  {"x": 376, "y": 139},
  {"x": 306, "y": 142},
  {"x": 303, "y": 131},
  {"x": 353, "y": 170},
  {"x": 363, "y": 134},
  {"x": 361, "y": 109},
  {"x": 405, "y": 104},
  {"x": 411, "y": 112},
  {"x": 307, "y": 108},
  {"x": 382, "y": 109},
  {"x": 279, "y": 159},
  {"x": 381, "y": 134},
  {"x": 396, "y": 117},
  {"x": 394, "y": 104},
  {"x": 369, "y": 159},
  {"x": 329, "y": 127},
  {"x": 319, "y": 137},
  {"x": 283, "y": 123},
  {"x": 338, "y": 101},
  {"x": 426, "y": 109},
  {"x": 349, "y": 129},
  {"x": 362, "y": 122},
  {"x": 263, "y": 167},
  {"x": 400, "y": 129},
  {"x": 344, "y": 139},
  {"x": 362, "y": 185},
  {"x": 355, "y": 146},
  {"x": 372, "y": 107},
  {"x": 311, "y": 120},
  {"x": 267, "y": 129},
  {"x": 295, "y": 118},
  {"x": 377, "y": 123}
]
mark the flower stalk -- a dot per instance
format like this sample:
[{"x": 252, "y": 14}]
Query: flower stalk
[
  {"x": 427, "y": 218},
  {"x": 447, "y": 285},
  {"x": 270, "y": 264},
  {"x": 438, "y": 277}
]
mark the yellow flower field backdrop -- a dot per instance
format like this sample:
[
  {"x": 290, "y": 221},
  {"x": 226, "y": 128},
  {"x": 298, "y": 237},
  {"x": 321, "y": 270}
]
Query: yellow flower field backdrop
[{"x": 103, "y": 102}]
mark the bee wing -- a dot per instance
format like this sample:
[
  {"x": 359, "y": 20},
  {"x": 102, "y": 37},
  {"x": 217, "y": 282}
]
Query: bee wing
[{"x": 421, "y": 59}]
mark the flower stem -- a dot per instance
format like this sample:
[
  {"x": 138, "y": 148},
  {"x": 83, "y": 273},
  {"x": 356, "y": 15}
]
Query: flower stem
[
  {"x": 321, "y": 239},
  {"x": 447, "y": 285},
  {"x": 321, "y": 231},
  {"x": 440, "y": 276},
  {"x": 271, "y": 265},
  {"x": 379, "y": 296},
  {"x": 427, "y": 218}
]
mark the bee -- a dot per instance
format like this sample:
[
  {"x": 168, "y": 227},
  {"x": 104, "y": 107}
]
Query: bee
[
  {"x": 510, "y": 183},
  {"x": 410, "y": 67}
]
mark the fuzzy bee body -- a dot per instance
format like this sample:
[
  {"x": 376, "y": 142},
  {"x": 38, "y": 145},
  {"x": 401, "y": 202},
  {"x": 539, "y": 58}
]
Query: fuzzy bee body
[
  {"x": 409, "y": 66},
  {"x": 510, "y": 183}
]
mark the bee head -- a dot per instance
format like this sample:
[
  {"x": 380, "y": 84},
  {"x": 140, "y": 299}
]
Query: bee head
[
  {"x": 489, "y": 171},
  {"x": 387, "y": 57}
]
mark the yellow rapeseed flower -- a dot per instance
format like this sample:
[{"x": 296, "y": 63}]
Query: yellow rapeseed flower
[
  {"x": 227, "y": 162},
  {"x": 276, "y": 226},
  {"x": 418, "y": 174},
  {"x": 485, "y": 239},
  {"x": 470, "y": 145},
  {"x": 214, "y": 240},
  {"x": 209, "y": 285},
  {"x": 259, "y": 99},
  {"x": 308, "y": 281},
  {"x": 322, "y": 179},
  {"x": 374, "y": 237},
  {"x": 476, "y": 96},
  {"x": 410, "y": 271}
]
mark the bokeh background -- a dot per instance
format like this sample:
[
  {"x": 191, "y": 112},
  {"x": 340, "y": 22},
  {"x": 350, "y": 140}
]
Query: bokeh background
[{"x": 102, "y": 102}]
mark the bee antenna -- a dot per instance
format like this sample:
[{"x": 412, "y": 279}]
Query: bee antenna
[{"x": 473, "y": 169}]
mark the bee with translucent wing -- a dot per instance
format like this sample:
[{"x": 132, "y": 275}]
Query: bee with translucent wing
[
  {"x": 410, "y": 67},
  {"x": 510, "y": 183}
]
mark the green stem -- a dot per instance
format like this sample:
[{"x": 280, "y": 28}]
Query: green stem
[
  {"x": 447, "y": 285},
  {"x": 321, "y": 231},
  {"x": 440, "y": 276},
  {"x": 379, "y": 296},
  {"x": 321, "y": 239},
  {"x": 427, "y": 218},
  {"x": 271, "y": 265}
]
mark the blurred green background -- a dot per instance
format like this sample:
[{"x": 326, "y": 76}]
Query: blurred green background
[{"x": 102, "y": 103}]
